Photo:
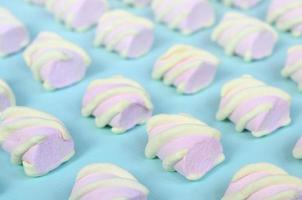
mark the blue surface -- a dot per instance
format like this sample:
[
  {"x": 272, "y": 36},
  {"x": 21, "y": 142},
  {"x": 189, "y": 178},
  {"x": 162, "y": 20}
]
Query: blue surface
[{"x": 100, "y": 145}]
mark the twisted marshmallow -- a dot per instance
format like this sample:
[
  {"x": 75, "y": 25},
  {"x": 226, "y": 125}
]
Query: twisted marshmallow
[
  {"x": 119, "y": 102},
  {"x": 297, "y": 151},
  {"x": 79, "y": 15},
  {"x": 243, "y": 4},
  {"x": 188, "y": 16},
  {"x": 293, "y": 68},
  {"x": 38, "y": 141},
  {"x": 138, "y": 3},
  {"x": 13, "y": 34},
  {"x": 7, "y": 97},
  {"x": 263, "y": 181},
  {"x": 286, "y": 15},
  {"x": 245, "y": 36},
  {"x": 129, "y": 35},
  {"x": 188, "y": 68},
  {"x": 185, "y": 144},
  {"x": 107, "y": 182},
  {"x": 255, "y": 106},
  {"x": 56, "y": 62}
]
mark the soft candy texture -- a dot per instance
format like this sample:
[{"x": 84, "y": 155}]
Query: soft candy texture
[
  {"x": 188, "y": 16},
  {"x": 129, "y": 35},
  {"x": 297, "y": 151},
  {"x": 263, "y": 181},
  {"x": 251, "y": 104},
  {"x": 137, "y": 3},
  {"x": 245, "y": 36},
  {"x": 293, "y": 67},
  {"x": 243, "y": 4},
  {"x": 38, "y": 2},
  {"x": 56, "y": 62},
  {"x": 185, "y": 144},
  {"x": 106, "y": 181},
  {"x": 118, "y": 102},
  {"x": 286, "y": 15},
  {"x": 38, "y": 141},
  {"x": 13, "y": 34},
  {"x": 188, "y": 68},
  {"x": 78, "y": 15},
  {"x": 7, "y": 97}
]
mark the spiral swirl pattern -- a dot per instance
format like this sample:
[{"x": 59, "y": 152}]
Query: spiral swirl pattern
[
  {"x": 107, "y": 181},
  {"x": 184, "y": 144},
  {"x": 38, "y": 141},
  {"x": 51, "y": 58},
  {"x": 245, "y": 36},
  {"x": 188, "y": 16},
  {"x": 255, "y": 106},
  {"x": 188, "y": 68},
  {"x": 286, "y": 15},
  {"x": 293, "y": 67},
  {"x": 263, "y": 181},
  {"x": 118, "y": 102},
  {"x": 78, "y": 15},
  {"x": 129, "y": 35}
]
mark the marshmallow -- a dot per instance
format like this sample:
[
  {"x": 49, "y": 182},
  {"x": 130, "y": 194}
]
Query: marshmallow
[
  {"x": 188, "y": 68},
  {"x": 56, "y": 62},
  {"x": 286, "y": 15},
  {"x": 263, "y": 181},
  {"x": 188, "y": 16},
  {"x": 38, "y": 141},
  {"x": 251, "y": 104},
  {"x": 118, "y": 102},
  {"x": 297, "y": 151},
  {"x": 107, "y": 182},
  {"x": 184, "y": 144},
  {"x": 7, "y": 97},
  {"x": 129, "y": 35},
  {"x": 243, "y": 4},
  {"x": 293, "y": 68},
  {"x": 245, "y": 36},
  {"x": 13, "y": 34},
  {"x": 78, "y": 15},
  {"x": 137, "y": 3}
]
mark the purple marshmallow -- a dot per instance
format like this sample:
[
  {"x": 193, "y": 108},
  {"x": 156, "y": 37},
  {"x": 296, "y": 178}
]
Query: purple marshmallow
[
  {"x": 34, "y": 139},
  {"x": 13, "y": 34}
]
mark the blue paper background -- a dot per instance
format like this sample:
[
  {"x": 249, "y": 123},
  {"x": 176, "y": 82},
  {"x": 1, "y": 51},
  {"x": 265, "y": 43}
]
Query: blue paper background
[{"x": 100, "y": 145}]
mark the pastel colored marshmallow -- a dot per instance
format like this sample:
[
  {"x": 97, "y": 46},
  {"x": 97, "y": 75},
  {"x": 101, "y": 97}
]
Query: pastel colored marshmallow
[
  {"x": 78, "y": 15},
  {"x": 7, "y": 97},
  {"x": 107, "y": 182},
  {"x": 293, "y": 66},
  {"x": 117, "y": 102},
  {"x": 38, "y": 141},
  {"x": 13, "y": 34},
  {"x": 56, "y": 62},
  {"x": 137, "y": 3},
  {"x": 187, "y": 68},
  {"x": 263, "y": 181},
  {"x": 122, "y": 32},
  {"x": 245, "y": 36},
  {"x": 184, "y": 144},
  {"x": 243, "y": 4},
  {"x": 297, "y": 151},
  {"x": 286, "y": 15},
  {"x": 187, "y": 16},
  {"x": 252, "y": 105}
]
